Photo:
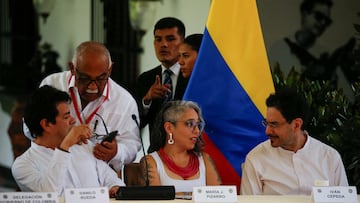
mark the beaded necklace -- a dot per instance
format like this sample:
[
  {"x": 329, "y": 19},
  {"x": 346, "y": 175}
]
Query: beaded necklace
[{"x": 185, "y": 172}]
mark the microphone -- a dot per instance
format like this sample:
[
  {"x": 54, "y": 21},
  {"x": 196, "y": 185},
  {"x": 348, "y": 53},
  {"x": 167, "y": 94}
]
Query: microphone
[
  {"x": 164, "y": 192},
  {"x": 133, "y": 116}
]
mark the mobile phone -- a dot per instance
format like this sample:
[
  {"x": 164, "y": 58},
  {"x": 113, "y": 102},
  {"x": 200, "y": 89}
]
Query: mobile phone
[{"x": 111, "y": 136}]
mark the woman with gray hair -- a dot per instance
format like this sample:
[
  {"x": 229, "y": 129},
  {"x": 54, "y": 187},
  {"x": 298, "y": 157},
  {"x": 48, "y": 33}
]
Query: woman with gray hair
[{"x": 176, "y": 156}]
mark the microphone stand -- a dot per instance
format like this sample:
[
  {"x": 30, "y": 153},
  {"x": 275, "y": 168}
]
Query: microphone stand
[{"x": 164, "y": 192}]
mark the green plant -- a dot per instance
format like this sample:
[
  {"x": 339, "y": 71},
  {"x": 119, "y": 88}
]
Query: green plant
[{"x": 334, "y": 119}]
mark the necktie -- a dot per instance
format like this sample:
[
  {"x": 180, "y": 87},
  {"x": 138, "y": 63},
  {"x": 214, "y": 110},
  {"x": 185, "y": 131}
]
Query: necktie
[{"x": 168, "y": 81}]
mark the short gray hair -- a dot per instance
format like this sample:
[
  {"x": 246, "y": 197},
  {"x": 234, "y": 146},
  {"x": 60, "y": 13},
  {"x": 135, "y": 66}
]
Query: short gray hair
[{"x": 170, "y": 112}]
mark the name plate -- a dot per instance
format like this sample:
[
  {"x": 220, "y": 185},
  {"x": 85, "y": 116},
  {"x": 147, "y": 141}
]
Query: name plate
[
  {"x": 87, "y": 195},
  {"x": 335, "y": 194},
  {"x": 215, "y": 194},
  {"x": 29, "y": 197}
]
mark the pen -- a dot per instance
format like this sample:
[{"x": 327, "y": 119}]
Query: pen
[{"x": 95, "y": 125}]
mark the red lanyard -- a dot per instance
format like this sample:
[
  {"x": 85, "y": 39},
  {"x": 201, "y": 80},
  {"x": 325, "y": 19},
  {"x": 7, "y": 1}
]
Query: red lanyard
[{"x": 76, "y": 106}]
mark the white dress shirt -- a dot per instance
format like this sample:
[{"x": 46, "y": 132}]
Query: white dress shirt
[
  {"x": 42, "y": 169},
  {"x": 276, "y": 171}
]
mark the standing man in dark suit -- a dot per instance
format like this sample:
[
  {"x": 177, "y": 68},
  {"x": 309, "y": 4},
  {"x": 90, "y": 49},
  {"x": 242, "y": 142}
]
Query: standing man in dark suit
[{"x": 153, "y": 88}]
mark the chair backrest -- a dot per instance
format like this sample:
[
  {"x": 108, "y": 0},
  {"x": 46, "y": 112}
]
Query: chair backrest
[{"x": 132, "y": 174}]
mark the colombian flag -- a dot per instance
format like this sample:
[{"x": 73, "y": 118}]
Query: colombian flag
[{"x": 231, "y": 81}]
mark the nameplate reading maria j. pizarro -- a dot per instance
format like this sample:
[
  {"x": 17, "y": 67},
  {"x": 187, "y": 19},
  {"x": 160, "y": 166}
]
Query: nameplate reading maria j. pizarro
[
  {"x": 335, "y": 194},
  {"x": 29, "y": 197},
  {"x": 87, "y": 195},
  {"x": 215, "y": 194}
]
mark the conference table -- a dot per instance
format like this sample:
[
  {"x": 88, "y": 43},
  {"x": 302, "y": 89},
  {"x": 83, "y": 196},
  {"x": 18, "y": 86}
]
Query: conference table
[{"x": 241, "y": 199}]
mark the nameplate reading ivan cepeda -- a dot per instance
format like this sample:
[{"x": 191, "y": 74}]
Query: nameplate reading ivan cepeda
[
  {"x": 335, "y": 194},
  {"x": 87, "y": 195},
  {"x": 29, "y": 197},
  {"x": 215, "y": 194}
]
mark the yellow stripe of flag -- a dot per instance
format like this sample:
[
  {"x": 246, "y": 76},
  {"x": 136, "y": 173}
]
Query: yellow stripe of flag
[{"x": 234, "y": 26}]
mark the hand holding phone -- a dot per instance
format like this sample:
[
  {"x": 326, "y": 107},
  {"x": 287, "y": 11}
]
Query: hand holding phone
[{"x": 110, "y": 137}]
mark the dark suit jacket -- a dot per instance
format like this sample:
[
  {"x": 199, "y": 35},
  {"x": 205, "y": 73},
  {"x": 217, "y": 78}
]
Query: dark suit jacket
[{"x": 145, "y": 80}]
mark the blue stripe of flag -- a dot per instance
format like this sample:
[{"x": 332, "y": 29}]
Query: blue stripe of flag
[{"x": 233, "y": 122}]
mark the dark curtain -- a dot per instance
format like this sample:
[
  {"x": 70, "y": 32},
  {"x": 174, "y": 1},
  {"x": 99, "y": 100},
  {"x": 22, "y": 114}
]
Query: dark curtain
[{"x": 121, "y": 42}]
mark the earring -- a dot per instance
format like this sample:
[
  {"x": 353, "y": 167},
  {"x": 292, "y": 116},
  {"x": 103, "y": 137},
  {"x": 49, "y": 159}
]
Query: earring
[{"x": 170, "y": 140}]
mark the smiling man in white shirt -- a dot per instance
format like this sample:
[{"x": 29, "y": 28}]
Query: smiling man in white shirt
[
  {"x": 290, "y": 161},
  {"x": 60, "y": 155}
]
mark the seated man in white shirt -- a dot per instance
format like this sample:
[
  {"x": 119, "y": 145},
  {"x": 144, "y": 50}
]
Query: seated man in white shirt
[
  {"x": 291, "y": 160},
  {"x": 60, "y": 156}
]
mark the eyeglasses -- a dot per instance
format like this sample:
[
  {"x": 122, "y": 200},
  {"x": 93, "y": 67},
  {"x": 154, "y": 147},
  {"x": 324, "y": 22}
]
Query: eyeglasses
[
  {"x": 86, "y": 81},
  {"x": 322, "y": 17},
  {"x": 191, "y": 124},
  {"x": 272, "y": 124},
  {"x": 103, "y": 136}
]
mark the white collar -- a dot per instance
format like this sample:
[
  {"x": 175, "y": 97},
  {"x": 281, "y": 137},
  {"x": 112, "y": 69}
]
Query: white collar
[{"x": 174, "y": 68}]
